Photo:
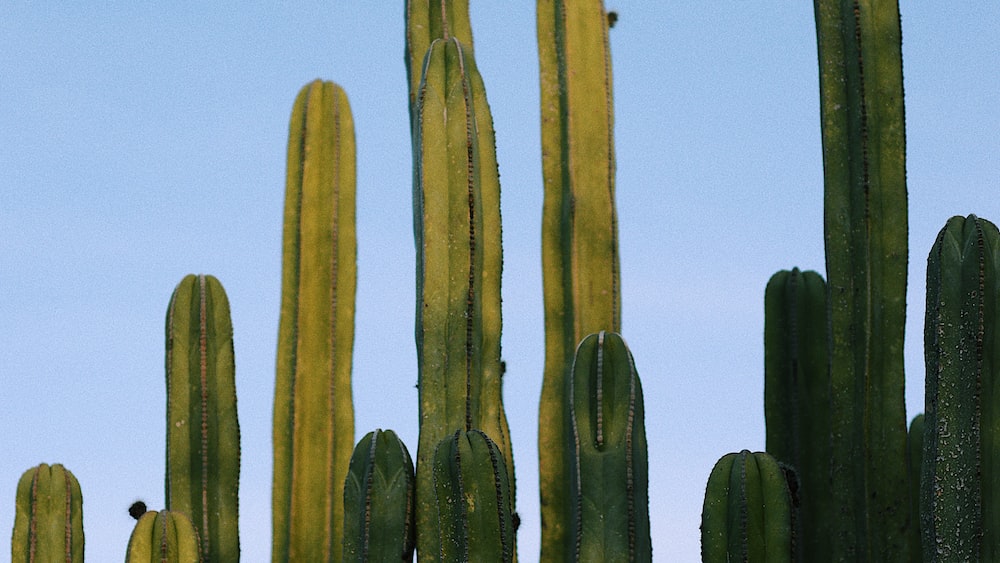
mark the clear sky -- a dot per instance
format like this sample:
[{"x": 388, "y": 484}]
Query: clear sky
[{"x": 141, "y": 143}]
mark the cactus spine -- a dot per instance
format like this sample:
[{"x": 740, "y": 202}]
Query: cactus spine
[
  {"x": 164, "y": 537},
  {"x": 203, "y": 433},
  {"x": 960, "y": 490},
  {"x": 48, "y": 522},
  {"x": 473, "y": 495},
  {"x": 313, "y": 411},
  {"x": 378, "y": 500},
  {"x": 748, "y": 513},
  {"x": 861, "y": 92},
  {"x": 579, "y": 227},
  {"x": 797, "y": 396},
  {"x": 608, "y": 467}
]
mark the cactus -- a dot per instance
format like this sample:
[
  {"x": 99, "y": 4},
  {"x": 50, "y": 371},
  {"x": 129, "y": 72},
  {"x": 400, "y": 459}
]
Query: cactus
[
  {"x": 313, "y": 411},
  {"x": 378, "y": 500},
  {"x": 164, "y": 537},
  {"x": 48, "y": 522},
  {"x": 960, "y": 486},
  {"x": 580, "y": 266},
  {"x": 427, "y": 20},
  {"x": 474, "y": 511},
  {"x": 203, "y": 433},
  {"x": 607, "y": 461},
  {"x": 456, "y": 204},
  {"x": 861, "y": 103},
  {"x": 914, "y": 467},
  {"x": 748, "y": 513},
  {"x": 797, "y": 396}
]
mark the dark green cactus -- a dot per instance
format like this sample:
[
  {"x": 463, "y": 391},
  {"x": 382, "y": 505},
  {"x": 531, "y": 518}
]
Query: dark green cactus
[
  {"x": 313, "y": 409},
  {"x": 473, "y": 496},
  {"x": 203, "y": 433},
  {"x": 914, "y": 466},
  {"x": 456, "y": 202},
  {"x": 164, "y": 537},
  {"x": 427, "y": 20},
  {"x": 378, "y": 501},
  {"x": 580, "y": 264},
  {"x": 749, "y": 512},
  {"x": 960, "y": 486},
  {"x": 865, "y": 218},
  {"x": 797, "y": 396},
  {"x": 48, "y": 522},
  {"x": 608, "y": 467}
]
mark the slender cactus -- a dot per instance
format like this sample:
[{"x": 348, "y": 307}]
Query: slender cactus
[
  {"x": 914, "y": 467},
  {"x": 164, "y": 537},
  {"x": 607, "y": 460},
  {"x": 797, "y": 396},
  {"x": 378, "y": 501},
  {"x": 48, "y": 522},
  {"x": 474, "y": 511},
  {"x": 865, "y": 218},
  {"x": 748, "y": 513},
  {"x": 203, "y": 433},
  {"x": 427, "y": 20},
  {"x": 456, "y": 204},
  {"x": 580, "y": 263},
  {"x": 313, "y": 410},
  {"x": 960, "y": 487}
]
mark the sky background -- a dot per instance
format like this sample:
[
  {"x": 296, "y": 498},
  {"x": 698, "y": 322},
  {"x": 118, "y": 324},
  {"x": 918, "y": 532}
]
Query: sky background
[{"x": 140, "y": 143}]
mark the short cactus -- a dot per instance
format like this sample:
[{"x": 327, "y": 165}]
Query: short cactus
[
  {"x": 164, "y": 537},
  {"x": 48, "y": 522}
]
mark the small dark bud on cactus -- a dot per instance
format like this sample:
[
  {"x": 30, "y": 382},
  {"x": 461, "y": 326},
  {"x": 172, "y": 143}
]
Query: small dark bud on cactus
[{"x": 137, "y": 509}]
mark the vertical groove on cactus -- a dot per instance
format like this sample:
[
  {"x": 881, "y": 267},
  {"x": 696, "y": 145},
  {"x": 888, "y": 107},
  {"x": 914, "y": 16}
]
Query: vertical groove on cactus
[
  {"x": 865, "y": 220},
  {"x": 579, "y": 226},
  {"x": 48, "y": 521},
  {"x": 313, "y": 410}
]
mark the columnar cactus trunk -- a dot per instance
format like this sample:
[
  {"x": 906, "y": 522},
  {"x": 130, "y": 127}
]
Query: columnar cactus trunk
[
  {"x": 378, "y": 501},
  {"x": 580, "y": 265},
  {"x": 960, "y": 489},
  {"x": 427, "y": 20},
  {"x": 164, "y": 537},
  {"x": 456, "y": 202},
  {"x": 748, "y": 513},
  {"x": 914, "y": 468},
  {"x": 607, "y": 459},
  {"x": 203, "y": 433},
  {"x": 797, "y": 396},
  {"x": 313, "y": 410},
  {"x": 48, "y": 521},
  {"x": 865, "y": 220}
]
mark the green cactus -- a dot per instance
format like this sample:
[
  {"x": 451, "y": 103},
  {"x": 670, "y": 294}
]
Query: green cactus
[
  {"x": 914, "y": 467},
  {"x": 865, "y": 218},
  {"x": 960, "y": 486},
  {"x": 473, "y": 495},
  {"x": 427, "y": 20},
  {"x": 607, "y": 459},
  {"x": 313, "y": 410},
  {"x": 203, "y": 433},
  {"x": 797, "y": 396},
  {"x": 456, "y": 204},
  {"x": 378, "y": 501},
  {"x": 164, "y": 537},
  {"x": 48, "y": 522},
  {"x": 749, "y": 512}
]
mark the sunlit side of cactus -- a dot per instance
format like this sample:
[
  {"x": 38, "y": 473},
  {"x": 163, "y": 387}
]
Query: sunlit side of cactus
[
  {"x": 48, "y": 521},
  {"x": 164, "y": 537}
]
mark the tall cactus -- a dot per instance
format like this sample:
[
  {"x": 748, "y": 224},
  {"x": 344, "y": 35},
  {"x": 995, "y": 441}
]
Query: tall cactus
[
  {"x": 474, "y": 504},
  {"x": 580, "y": 264},
  {"x": 203, "y": 433},
  {"x": 313, "y": 410},
  {"x": 164, "y": 537},
  {"x": 914, "y": 465},
  {"x": 797, "y": 396},
  {"x": 378, "y": 501},
  {"x": 48, "y": 521},
  {"x": 960, "y": 488},
  {"x": 607, "y": 460},
  {"x": 456, "y": 203},
  {"x": 427, "y": 20},
  {"x": 861, "y": 92},
  {"x": 748, "y": 513}
]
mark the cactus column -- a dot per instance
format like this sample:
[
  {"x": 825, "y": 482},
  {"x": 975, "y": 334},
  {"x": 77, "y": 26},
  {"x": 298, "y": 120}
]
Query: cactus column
[
  {"x": 48, "y": 522},
  {"x": 861, "y": 91},
  {"x": 313, "y": 410}
]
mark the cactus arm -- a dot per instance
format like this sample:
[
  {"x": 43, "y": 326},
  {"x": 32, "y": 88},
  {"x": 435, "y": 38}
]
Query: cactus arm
[
  {"x": 48, "y": 522},
  {"x": 861, "y": 94},
  {"x": 164, "y": 537},
  {"x": 579, "y": 226},
  {"x": 313, "y": 410},
  {"x": 203, "y": 435},
  {"x": 427, "y": 20}
]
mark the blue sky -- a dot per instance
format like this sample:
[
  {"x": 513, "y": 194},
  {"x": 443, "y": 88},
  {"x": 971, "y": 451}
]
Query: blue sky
[{"x": 143, "y": 143}]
